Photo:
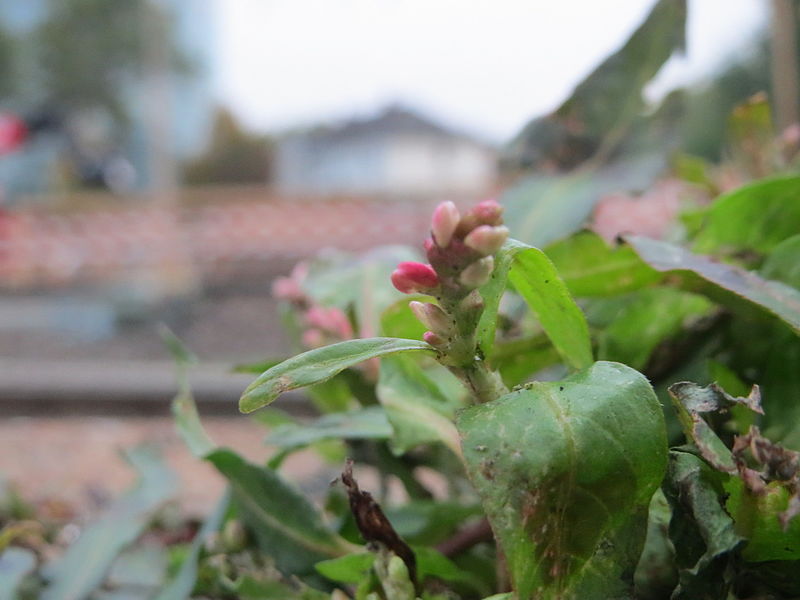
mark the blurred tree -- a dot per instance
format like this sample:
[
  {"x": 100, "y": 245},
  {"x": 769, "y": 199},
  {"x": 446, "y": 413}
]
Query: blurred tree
[
  {"x": 235, "y": 156},
  {"x": 90, "y": 51},
  {"x": 7, "y": 49}
]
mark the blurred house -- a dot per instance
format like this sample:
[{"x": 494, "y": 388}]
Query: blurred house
[{"x": 397, "y": 152}]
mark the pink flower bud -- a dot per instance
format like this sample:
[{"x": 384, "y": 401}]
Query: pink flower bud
[
  {"x": 410, "y": 277},
  {"x": 478, "y": 273},
  {"x": 331, "y": 320},
  {"x": 444, "y": 223},
  {"x": 313, "y": 338},
  {"x": 487, "y": 239},
  {"x": 488, "y": 212},
  {"x": 286, "y": 288},
  {"x": 433, "y": 317},
  {"x": 434, "y": 339}
]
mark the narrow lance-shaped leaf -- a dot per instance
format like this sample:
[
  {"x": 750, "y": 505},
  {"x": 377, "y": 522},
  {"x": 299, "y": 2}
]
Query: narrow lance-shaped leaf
[
  {"x": 536, "y": 279},
  {"x": 320, "y": 365},
  {"x": 722, "y": 282},
  {"x": 590, "y": 267},
  {"x": 286, "y": 525},
  {"x": 15, "y": 564},
  {"x": 181, "y": 586},
  {"x": 418, "y": 411},
  {"x": 565, "y": 471},
  {"x": 756, "y": 216},
  {"x": 86, "y": 563},
  {"x": 369, "y": 423}
]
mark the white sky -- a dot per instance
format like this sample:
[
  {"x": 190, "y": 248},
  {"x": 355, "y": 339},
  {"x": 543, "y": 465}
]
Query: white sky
[{"x": 484, "y": 66}]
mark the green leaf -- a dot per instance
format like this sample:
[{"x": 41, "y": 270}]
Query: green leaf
[
  {"x": 181, "y": 586},
  {"x": 783, "y": 263},
  {"x": 757, "y": 519},
  {"x": 612, "y": 94},
  {"x": 15, "y": 564},
  {"x": 85, "y": 564},
  {"x": 757, "y": 216},
  {"x": 537, "y": 281},
  {"x": 590, "y": 267},
  {"x": 187, "y": 422},
  {"x": 702, "y": 533},
  {"x": 724, "y": 283},
  {"x": 398, "y": 320},
  {"x": 417, "y": 409},
  {"x": 285, "y": 524},
  {"x": 518, "y": 359},
  {"x": 605, "y": 104},
  {"x": 565, "y": 471},
  {"x": 542, "y": 209},
  {"x": 320, "y": 365},
  {"x": 652, "y": 317},
  {"x": 368, "y": 423},
  {"x": 351, "y": 568}
]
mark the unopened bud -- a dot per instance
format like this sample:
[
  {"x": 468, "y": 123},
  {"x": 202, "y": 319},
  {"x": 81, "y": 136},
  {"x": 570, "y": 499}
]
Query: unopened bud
[
  {"x": 444, "y": 223},
  {"x": 313, "y": 338},
  {"x": 430, "y": 315},
  {"x": 478, "y": 273},
  {"x": 434, "y": 339},
  {"x": 472, "y": 303},
  {"x": 410, "y": 277},
  {"x": 286, "y": 288},
  {"x": 330, "y": 319},
  {"x": 488, "y": 212},
  {"x": 487, "y": 239},
  {"x": 234, "y": 536}
]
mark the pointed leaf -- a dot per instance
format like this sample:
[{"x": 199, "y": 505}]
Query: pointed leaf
[
  {"x": 15, "y": 564},
  {"x": 181, "y": 586},
  {"x": 86, "y": 563},
  {"x": 590, "y": 267},
  {"x": 565, "y": 471},
  {"x": 537, "y": 281},
  {"x": 757, "y": 216},
  {"x": 320, "y": 365},
  {"x": 368, "y": 423},
  {"x": 724, "y": 283},
  {"x": 417, "y": 409},
  {"x": 286, "y": 525}
]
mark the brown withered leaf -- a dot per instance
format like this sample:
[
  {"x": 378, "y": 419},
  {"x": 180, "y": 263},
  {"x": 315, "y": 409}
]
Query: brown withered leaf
[
  {"x": 712, "y": 398},
  {"x": 372, "y": 522}
]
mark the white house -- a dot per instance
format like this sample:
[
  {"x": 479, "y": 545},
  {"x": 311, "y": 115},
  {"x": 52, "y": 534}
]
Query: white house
[{"x": 397, "y": 152}]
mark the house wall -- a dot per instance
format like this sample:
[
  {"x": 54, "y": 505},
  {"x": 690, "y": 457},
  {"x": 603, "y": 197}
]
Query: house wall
[{"x": 397, "y": 164}]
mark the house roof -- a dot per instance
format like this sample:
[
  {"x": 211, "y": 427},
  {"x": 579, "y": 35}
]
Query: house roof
[{"x": 394, "y": 120}]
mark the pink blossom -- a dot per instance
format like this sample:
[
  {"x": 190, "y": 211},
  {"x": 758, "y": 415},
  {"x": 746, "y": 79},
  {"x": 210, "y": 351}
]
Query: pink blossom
[
  {"x": 433, "y": 317},
  {"x": 434, "y": 339},
  {"x": 410, "y": 277}
]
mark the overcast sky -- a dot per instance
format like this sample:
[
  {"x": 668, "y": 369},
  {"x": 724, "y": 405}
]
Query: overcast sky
[{"x": 484, "y": 66}]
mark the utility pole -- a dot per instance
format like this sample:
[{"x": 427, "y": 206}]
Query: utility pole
[{"x": 785, "y": 93}]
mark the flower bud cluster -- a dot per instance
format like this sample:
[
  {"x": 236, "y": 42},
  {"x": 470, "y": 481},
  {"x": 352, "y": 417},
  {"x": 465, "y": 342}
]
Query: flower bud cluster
[
  {"x": 321, "y": 325},
  {"x": 460, "y": 252}
]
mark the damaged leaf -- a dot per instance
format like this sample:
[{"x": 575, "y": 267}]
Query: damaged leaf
[
  {"x": 712, "y": 398},
  {"x": 566, "y": 471},
  {"x": 702, "y": 533},
  {"x": 320, "y": 365},
  {"x": 727, "y": 284}
]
